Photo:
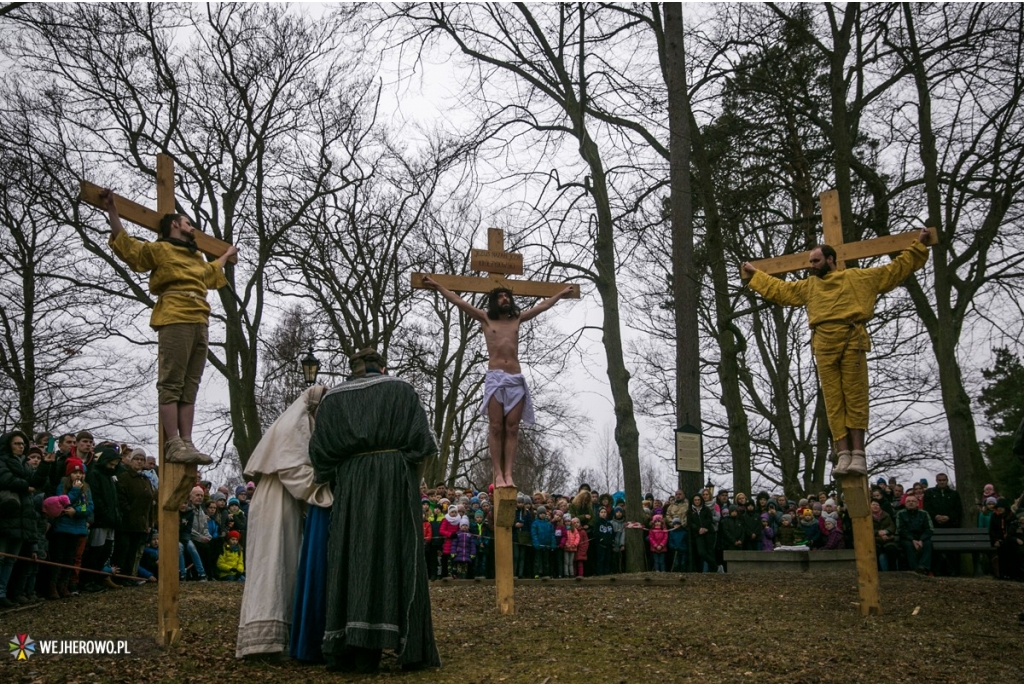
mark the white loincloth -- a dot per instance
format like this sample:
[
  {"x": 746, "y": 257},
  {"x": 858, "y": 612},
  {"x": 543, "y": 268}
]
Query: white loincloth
[{"x": 509, "y": 389}]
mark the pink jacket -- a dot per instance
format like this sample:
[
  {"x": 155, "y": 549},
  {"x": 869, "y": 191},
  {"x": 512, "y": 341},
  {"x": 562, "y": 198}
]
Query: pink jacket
[
  {"x": 572, "y": 540},
  {"x": 658, "y": 539},
  {"x": 447, "y": 532}
]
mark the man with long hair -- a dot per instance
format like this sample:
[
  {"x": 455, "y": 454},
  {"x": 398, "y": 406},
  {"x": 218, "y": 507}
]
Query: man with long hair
[{"x": 507, "y": 400}]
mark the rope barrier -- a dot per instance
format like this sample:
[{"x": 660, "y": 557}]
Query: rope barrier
[{"x": 80, "y": 569}]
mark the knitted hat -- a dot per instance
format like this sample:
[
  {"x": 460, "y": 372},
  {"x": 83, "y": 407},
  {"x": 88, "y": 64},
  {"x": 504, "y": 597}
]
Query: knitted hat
[
  {"x": 788, "y": 518},
  {"x": 992, "y": 500},
  {"x": 805, "y": 512},
  {"x": 224, "y": 489},
  {"x": 830, "y": 522},
  {"x": 542, "y": 510},
  {"x": 250, "y": 486},
  {"x": 54, "y": 506},
  {"x": 234, "y": 535},
  {"x": 240, "y": 490},
  {"x": 830, "y": 502},
  {"x": 233, "y": 500},
  {"x": 522, "y": 499},
  {"x": 567, "y": 517},
  {"x": 725, "y": 510},
  {"x": 676, "y": 522},
  {"x": 138, "y": 452},
  {"x": 219, "y": 497},
  {"x": 73, "y": 464},
  {"x": 463, "y": 521},
  {"x": 764, "y": 517},
  {"x": 478, "y": 513}
]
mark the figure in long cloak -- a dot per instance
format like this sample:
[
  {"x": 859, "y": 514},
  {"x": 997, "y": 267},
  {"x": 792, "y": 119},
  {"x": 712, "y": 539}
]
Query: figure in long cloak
[
  {"x": 286, "y": 486},
  {"x": 371, "y": 440}
]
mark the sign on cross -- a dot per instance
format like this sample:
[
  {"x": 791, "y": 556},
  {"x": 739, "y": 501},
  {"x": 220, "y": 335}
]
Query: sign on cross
[
  {"x": 498, "y": 264},
  {"x": 854, "y": 485},
  {"x": 176, "y": 480}
]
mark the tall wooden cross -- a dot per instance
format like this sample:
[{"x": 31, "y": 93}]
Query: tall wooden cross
[
  {"x": 855, "y": 486},
  {"x": 499, "y": 264},
  {"x": 176, "y": 480}
]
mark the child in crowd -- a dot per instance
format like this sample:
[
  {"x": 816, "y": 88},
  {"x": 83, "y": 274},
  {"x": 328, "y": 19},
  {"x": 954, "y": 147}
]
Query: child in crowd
[
  {"x": 70, "y": 529},
  {"x": 556, "y": 564},
  {"x": 767, "y": 533},
  {"x": 231, "y": 562},
  {"x": 484, "y": 536},
  {"x": 833, "y": 536},
  {"x": 619, "y": 546},
  {"x": 582, "y": 547},
  {"x": 449, "y": 529},
  {"x": 658, "y": 541},
  {"x": 428, "y": 547},
  {"x": 542, "y": 536},
  {"x": 236, "y": 520},
  {"x": 605, "y": 533},
  {"x": 571, "y": 543},
  {"x": 678, "y": 545},
  {"x": 787, "y": 534},
  {"x": 463, "y": 550},
  {"x": 809, "y": 526}
]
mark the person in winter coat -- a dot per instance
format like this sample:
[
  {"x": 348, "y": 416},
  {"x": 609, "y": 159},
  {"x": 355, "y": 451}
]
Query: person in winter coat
[
  {"x": 700, "y": 522},
  {"x": 731, "y": 531},
  {"x": 231, "y": 562},
  {"x": 463, "y": 550},
  {"x": 914, "y": 528},
  {"x": 767, "y": 533},
  {"x": 605, "y": 532},
  {"x": 542, "y": 535},
  {"x": 885, "y": 537},
  {"x": 570, "y": 545},
  {"x": 786, "y": 536},
  {"x": 619, "y": 546},
  {"x": 833, "y": 536},
  {"x": 448, "y": 531},
  {"x": 106, "y": 517},
  {"x": 522, "y": 542},
  {"x": 71, "y": 529},
  {"x": 1002, "y": 529},
  {"x": 657, "y": 539},
  {"x": 809, "y": 525},
  {"x": 583, "y": 548},
  {"x": 484, "y": 544},
  {"x": 18, "y": 520},
  {"x": 679, "y": 546},
  {"x": 137, "y": 501}
]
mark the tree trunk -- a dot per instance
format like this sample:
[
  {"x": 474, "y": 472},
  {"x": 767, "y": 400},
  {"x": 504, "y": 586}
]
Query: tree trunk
[{"x": 686, "y": 277}]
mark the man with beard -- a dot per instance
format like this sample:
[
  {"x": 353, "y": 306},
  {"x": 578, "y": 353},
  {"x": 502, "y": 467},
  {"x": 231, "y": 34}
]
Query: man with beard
[
  {"x": 839, "y": 302},
  {"x": 506, "y": 397}
]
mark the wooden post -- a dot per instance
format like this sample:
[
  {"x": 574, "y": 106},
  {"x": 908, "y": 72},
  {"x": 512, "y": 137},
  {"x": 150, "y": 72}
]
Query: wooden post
[
  {"x": 498, "y": 264},
  {"x": 504, "y": 519},
  {"x": 854, "y": 486},
  {"x": 176, "y": 480}
]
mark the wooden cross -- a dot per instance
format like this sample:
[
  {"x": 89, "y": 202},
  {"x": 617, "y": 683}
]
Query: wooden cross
[
  {"x": 176, "y": 480},
  {"x": 498, "y": 264},
  {"x": 855, "y": 486}
]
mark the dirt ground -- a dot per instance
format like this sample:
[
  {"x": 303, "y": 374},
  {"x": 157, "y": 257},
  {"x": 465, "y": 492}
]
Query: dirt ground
[{"x": 714, "y": 628}]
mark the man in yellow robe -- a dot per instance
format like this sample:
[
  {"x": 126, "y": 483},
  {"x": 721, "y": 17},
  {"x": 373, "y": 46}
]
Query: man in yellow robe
[
  {"x": 839, "y": 303},
  {"x": 179, "y": 277}
]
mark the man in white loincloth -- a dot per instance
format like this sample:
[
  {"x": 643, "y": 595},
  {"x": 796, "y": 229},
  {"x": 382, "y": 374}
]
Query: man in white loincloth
[{"x": 506, "y": 397}]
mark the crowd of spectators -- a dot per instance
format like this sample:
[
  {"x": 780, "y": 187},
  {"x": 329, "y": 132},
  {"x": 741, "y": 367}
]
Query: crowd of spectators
[
  {"x": 80, "y": 516},
  {"x": 562, "y": 536},
  {"x": 89, "y": 508}
]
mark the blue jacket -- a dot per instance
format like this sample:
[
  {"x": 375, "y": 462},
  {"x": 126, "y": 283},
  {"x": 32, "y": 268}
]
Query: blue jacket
[
  {"x": 81, "y": 501},
  {"x": 677, "y": 539},
  {"x": 542, "y": 534}
]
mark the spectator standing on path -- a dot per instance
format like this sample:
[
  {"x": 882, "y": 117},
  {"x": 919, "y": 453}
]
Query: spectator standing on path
[
  {"x": 17, "y": 515},
  {"x": 106, "y": 517}
]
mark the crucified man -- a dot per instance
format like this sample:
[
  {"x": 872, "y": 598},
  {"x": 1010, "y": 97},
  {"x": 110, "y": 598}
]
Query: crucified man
[{"x": 506, "y": 398}]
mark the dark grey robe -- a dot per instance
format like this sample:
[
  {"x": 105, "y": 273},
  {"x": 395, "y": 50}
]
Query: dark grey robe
[{"x": 371, "y": 437}]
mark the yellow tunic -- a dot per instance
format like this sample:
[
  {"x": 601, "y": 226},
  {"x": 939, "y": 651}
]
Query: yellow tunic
[
  {"x": 838, "y": 305},
  {"x": 179, "y": 278}
]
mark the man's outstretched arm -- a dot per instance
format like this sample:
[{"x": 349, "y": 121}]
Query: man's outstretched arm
[
  {"x": 469, "y": 309},
  {"x": 545, "y": 305}
]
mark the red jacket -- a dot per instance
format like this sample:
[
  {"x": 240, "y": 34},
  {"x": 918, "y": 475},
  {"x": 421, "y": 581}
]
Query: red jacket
[
  {"x": 448, "y": 531},
  {"x": 427, "y": 533}
]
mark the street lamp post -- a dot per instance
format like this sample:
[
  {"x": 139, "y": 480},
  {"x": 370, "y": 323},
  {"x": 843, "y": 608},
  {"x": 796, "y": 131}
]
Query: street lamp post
[{"x": 310, "y": 367}]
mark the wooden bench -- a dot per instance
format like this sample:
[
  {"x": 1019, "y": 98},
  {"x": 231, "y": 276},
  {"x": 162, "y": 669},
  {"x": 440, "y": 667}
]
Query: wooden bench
[
  {"x": 782, "y": 561},
  {"x": 964, "y": 540}
]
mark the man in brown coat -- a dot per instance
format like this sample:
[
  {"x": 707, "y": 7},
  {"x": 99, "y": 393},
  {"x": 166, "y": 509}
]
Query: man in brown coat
[{"x": 136, "y": 499}]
